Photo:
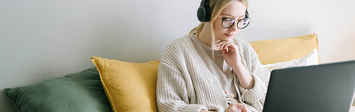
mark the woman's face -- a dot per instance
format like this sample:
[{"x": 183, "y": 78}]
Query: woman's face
[{"x": 235, "y": 10}]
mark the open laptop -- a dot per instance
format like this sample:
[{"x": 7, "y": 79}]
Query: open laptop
[{"x": 319, "y": 88}]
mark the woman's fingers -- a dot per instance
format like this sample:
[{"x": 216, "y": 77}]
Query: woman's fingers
[
  {"x": 243, "y": 107},
  {"x": 228, "y": 46},
  {"x": 224, "y": 46},
  {"x": 221, "y": 45},
  {"x": 236, "y": 107}
]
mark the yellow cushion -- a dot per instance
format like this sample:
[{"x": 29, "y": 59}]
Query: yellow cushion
[
  {"x": 129, "y": 86},
  {"x": 281, "y": 50}
]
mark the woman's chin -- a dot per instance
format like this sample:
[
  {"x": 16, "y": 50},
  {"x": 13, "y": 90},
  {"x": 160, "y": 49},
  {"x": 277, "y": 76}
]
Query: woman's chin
[{"x": 224, "y": 38}]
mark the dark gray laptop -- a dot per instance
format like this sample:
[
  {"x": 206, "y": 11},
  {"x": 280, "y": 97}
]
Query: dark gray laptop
[{"x": 320, "y": 88}]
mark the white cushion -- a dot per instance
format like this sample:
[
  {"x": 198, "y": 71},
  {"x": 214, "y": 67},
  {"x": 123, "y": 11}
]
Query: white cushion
[{"x": 311, "y": 59}]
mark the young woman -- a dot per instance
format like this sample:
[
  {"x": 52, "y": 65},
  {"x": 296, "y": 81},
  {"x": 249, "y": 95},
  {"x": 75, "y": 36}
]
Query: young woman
[{"x": 197, "y": 70}]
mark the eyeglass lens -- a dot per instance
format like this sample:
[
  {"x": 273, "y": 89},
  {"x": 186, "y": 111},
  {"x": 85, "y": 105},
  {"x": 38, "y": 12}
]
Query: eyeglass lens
[{"x": 229, "y": 22}]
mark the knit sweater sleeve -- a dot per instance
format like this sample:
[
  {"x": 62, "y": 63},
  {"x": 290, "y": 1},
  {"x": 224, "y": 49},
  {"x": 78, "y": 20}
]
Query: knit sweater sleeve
[
  {"x": 172, "y": 89},
  {"x": 255, "y": 96}
]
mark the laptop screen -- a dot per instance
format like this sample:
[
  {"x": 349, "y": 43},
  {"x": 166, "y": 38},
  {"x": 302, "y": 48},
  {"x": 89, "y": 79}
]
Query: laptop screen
[{"x": 320, "y": 88}]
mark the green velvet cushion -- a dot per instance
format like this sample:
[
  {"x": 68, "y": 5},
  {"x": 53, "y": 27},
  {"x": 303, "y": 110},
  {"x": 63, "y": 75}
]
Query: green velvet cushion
[{"x": 77, "y": 92}]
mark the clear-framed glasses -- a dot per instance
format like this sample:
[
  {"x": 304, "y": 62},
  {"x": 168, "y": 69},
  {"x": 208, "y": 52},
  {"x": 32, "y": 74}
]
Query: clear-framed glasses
[{"x": 228, "y": 22}]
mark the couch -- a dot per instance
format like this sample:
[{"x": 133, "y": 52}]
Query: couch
[{"x": 114, "y": 85}]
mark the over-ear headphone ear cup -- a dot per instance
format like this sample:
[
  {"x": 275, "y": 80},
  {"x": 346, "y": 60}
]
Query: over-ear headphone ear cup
[
  {"x": 204, "y": 13},
  {"x": 201, "y": 14},
  {"x": 208, "y": 13}
]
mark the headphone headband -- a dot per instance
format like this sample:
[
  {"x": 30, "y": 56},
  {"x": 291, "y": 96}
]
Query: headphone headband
[{"x": 204, "y": 12}]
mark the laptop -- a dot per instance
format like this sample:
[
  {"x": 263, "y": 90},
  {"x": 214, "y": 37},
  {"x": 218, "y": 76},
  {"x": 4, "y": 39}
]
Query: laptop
[{"x": 319, "y": 88}]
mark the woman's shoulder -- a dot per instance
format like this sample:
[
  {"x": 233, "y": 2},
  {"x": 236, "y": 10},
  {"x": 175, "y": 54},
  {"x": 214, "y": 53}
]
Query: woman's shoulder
[
  {"x": 179, "y": 46},
  {"x": 177, "y": 50},
  {"x": 181, "y": 42}
]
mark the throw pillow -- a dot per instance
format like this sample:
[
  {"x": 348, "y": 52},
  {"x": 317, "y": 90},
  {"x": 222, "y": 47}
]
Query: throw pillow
[
  {"x": 77, "y": 92},
  {"x": 311, "y": 59},
  {"x": 287, "y": 49},
  {"x": 129, "y": 86}
]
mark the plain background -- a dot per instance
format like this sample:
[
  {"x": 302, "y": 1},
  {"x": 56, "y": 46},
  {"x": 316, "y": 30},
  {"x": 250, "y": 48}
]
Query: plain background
[{"x": 43, "y": 39}]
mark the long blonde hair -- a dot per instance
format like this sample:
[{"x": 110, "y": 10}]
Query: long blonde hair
[{"x": 216, "y": 7}]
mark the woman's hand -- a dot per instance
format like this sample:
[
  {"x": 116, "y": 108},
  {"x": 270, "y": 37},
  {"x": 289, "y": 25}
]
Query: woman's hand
[
  {"x": 230, "y": 53},
  {"x": 236, "y": 107}
]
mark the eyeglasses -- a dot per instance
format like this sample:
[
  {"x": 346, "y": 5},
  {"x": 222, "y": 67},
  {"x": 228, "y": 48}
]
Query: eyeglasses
[{"x": 228, "y": 22}]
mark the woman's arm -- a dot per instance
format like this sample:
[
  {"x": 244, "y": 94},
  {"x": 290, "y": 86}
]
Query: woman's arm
[
  {"x": 256, "y": 95},
  {"x": 233, "y": 59},
  {"x": 252, "y": 76},
  {"x": 245, "y": 78}
]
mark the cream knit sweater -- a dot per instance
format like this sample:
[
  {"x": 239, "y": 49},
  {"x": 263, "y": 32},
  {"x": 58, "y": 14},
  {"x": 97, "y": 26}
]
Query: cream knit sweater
[{"x": 185, "y": 84}]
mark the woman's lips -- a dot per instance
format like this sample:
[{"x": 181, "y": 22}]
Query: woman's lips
[{"x": 229, "y": 35}]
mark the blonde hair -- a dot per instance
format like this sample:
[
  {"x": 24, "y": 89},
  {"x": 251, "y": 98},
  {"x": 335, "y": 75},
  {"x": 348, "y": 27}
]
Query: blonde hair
[{"x": 216, "y": 7}]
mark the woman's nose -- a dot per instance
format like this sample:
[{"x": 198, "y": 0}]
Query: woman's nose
[{"x": 234, "y": 27}]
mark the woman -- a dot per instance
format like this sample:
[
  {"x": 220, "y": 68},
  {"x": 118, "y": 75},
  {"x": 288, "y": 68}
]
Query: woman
[{"x": 197, "y": 69}]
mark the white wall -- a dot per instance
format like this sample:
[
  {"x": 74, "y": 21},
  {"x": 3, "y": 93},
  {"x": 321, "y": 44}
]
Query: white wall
[{"x": 42, "y": 39}]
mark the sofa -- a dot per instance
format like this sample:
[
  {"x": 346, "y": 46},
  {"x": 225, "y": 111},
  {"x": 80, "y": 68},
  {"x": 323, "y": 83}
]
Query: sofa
[{"x": 114, "y": 85}]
